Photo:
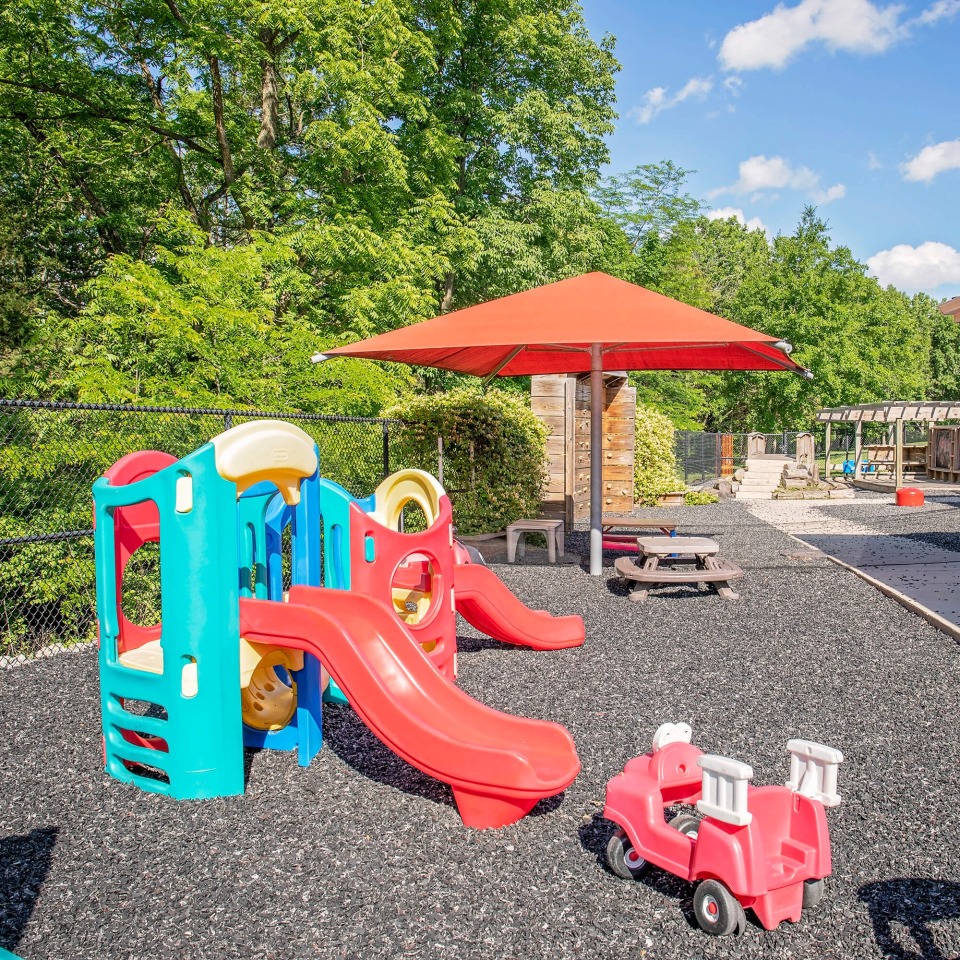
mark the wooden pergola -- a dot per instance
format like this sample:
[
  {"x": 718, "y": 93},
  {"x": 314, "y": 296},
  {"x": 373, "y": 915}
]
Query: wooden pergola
[{"x": 896, "y": 412}]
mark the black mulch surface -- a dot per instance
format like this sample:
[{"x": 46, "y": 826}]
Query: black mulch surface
[{"x": 360, "y": 855}]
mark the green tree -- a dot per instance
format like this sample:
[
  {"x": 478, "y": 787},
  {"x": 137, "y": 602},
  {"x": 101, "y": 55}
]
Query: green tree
[
  {"x": 944, "y": 349},
  {"x": 390, "y": 147},
  {"x": 199, "y": 326},
  {"x": 518, "y": 99},
  {"x": 648, "y": 201},
  {"x": 862, "y": 343}
]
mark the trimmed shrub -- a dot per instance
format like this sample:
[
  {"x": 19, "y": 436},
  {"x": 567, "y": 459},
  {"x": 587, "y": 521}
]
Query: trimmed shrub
[
  {"x": 655, "y": 463},
  {"x": 697, "y": 498},
  {"x": 494, "y": 453}
]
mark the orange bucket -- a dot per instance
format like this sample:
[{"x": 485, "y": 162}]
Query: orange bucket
[{"x": 909, "y": 497}]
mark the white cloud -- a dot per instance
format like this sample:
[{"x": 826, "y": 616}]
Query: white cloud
[
  {"x": 725, "y": 213},
  {"x": 837, "y": 192},
  {"x": 859, "y": 26},
  {"x": 933, "y": 160},
  {"x": 873, "y": 163},
  {"x": 761, "y": 174},
  {"x": 656, "y": 100},
  {"x": 940, "y": 10},
  {"x": 916, "y": 268},
  {"x": 733, "y": 84}
]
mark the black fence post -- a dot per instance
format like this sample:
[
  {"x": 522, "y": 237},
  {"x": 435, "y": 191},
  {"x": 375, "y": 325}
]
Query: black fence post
[
  {"x": 228, "y": 421},
  {"x": 386, "y": 449}
]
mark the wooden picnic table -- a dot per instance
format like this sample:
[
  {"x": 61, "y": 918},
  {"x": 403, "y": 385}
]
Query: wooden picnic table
[
  {"x": 678, "y": 560},
  {"x": 636, "y": 523}
]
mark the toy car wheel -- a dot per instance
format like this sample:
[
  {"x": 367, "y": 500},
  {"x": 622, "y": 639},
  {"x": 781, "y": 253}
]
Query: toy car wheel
[
  {"x": 717, "y": 910},
  {"x": 687, "y": 824},
  {"x": 623, "y": 860},
  {"x": 813, "y": 891}
]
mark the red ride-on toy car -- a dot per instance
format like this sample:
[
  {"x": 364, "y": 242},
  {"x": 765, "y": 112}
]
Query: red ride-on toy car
[{"x": 761, "y": 848}]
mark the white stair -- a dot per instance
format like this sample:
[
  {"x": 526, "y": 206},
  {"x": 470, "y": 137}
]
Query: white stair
[{"x": 762, "y": 477}]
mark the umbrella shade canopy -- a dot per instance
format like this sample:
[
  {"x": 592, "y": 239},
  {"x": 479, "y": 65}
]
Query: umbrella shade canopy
[
  {"x": 550, "y": 329},
  {"x": 593, "y": 323}
]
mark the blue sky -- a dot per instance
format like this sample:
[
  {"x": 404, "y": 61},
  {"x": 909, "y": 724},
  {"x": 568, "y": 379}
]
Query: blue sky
[{"x": 851, "y": 105}]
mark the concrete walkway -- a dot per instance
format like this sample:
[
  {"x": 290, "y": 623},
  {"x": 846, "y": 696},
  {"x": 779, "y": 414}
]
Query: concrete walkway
[{"x": 911, "y": 554}]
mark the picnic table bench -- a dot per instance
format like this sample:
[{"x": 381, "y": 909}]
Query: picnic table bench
[
  {"x": 677, "y": 560},
  {"x": 628, "y": 541}
]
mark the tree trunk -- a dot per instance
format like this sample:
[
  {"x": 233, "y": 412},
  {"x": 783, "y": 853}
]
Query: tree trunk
[
  {"x": 270, "y": 107},
  {"x": 226, "y": 157},
  {"x": 446, "y": 301}
]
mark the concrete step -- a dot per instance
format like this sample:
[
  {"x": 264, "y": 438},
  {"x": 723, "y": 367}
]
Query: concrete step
[{"x": 754, "y": 494}]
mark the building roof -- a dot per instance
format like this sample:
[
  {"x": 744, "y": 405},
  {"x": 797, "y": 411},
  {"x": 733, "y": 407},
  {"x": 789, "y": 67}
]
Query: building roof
[{"x": 951, "y": 308}]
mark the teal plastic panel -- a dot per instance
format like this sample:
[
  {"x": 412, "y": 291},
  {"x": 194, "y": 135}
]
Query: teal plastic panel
[{"x": 199, "y": 563}]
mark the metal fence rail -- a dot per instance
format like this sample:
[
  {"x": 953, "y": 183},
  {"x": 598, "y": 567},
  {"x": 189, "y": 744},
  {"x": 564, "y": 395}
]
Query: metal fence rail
[{"x": 50, "y": 455}]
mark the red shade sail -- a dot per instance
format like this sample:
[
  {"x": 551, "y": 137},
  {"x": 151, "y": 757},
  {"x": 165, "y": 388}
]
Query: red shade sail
[
  {"x": 550, "y": 330},
  {"x": 590, "y": 323}
]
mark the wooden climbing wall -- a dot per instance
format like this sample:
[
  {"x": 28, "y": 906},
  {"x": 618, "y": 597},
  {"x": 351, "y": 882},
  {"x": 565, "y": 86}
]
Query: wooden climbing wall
[
  {"x": 563, "y": 403},
  {"x": 552, "y": 399}
]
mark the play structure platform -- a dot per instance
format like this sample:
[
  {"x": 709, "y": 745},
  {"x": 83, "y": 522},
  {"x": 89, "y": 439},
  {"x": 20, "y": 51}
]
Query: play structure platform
[{"x": 279, "y": 591}]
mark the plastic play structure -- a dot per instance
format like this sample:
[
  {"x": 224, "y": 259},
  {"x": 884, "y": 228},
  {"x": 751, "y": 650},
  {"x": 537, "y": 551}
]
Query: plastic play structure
[
  {"x": 760, "y": 848},
  {"x": 416, "y": 573},
  {"x": 237, "y": 660}
]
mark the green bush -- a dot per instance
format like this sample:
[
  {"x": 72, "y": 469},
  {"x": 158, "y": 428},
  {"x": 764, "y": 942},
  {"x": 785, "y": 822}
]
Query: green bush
[
  {"x": 655, "y": 465},
  {"x": 696, "y": 498},
  {"x": 494, "y": 453}
]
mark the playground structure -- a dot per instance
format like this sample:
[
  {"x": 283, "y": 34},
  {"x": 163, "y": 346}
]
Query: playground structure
[
  {"x": 237, "y": 660},
  {"x": 760, "y": 848},
  {"x": 891, "y": 465}
]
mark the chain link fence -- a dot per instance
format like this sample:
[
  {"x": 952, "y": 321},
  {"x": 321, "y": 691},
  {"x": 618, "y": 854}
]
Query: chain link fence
[
  {"x": 50, "y": 455},
  {"x": 703, "y": 457}
]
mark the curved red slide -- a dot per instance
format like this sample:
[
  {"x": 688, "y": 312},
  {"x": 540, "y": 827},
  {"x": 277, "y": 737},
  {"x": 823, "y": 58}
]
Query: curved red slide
[
  {"x": 499, "y": 765},
  {"x": 489, "y": 605}
]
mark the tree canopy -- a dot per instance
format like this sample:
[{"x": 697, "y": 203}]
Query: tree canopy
[{"x": 195, "y": 196}]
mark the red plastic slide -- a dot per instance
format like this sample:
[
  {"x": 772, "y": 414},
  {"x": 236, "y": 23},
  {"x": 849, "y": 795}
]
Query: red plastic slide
[
  {"x": 489, "y": 605},
  {"x": 499, "y": 765}
]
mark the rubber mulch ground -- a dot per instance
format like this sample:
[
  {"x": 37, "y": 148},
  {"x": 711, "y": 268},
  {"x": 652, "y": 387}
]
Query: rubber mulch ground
[{"x": 360, "y": 855}]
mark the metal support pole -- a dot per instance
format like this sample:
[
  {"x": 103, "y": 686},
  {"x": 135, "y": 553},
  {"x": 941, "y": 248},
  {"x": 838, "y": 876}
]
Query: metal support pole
[
  {"x": 596, "y": 459},
  {"x": 898, "y": 455},
  {"x": 857, "y": 450},
  {"x": 826, "y": 452}
]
